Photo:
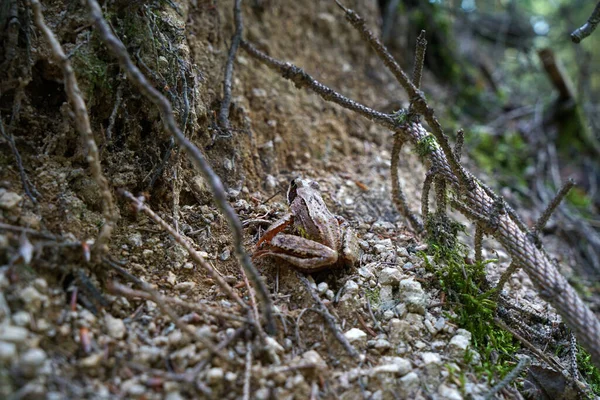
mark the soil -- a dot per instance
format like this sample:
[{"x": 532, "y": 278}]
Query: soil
[{"x": 66, "y": 335}]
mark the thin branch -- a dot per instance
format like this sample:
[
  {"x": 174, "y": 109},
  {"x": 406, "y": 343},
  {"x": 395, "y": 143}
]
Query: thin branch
[
  {"x": 478, "y": 243},
  {"x": 329, "y": 319},
  {"x": 551, "y": 362},
  {"x": 195, "y": 155},
  {"x": 511, "y": 376},
  {"x": 160, "y": 302},
  {"x": 397, "y": 193},
  {"x": 29, "y": 189},
  {"x": 140, "y": 206},
  {"x": 82, "y": 123},
  {"x": 543, "y": 220},
  {"x": 419, "y": 59},
  {"x": 512, "y": 268},
  {"x": 458, "y": 146},
  {"x": 247, "y": 370},
  {"x": 126, "y": 291},
  {"x": 301, "y": 79},
  {"x": 235, "y": 43},
  {"x": 115, "y": 111},
  {"x": 425, "y": 193},
  {"x": 590, "y": 26}
]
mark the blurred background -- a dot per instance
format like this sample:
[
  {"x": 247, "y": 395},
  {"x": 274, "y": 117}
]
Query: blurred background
[{"x": 527, "y": 97}]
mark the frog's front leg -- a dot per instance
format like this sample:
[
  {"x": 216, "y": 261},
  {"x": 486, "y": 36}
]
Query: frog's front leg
[
  {"x": 275, "y": 228},
  {"x": 306, "y": 255}
]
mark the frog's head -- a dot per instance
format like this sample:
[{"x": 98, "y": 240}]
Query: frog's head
[{"x": 302, "y": 185}]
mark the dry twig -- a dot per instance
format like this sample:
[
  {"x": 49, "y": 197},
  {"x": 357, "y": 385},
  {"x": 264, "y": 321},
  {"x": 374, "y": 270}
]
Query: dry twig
[
  {"x": 329, "y": 319},
  {"x": 397, "y": 193},
  {"x": 511, "y": 376},
  {"x": 126, "y": 291},
  {"x": 235, "y": 43},
  {"x": 198, "y": 160},
  {"x": 590, "y": 26},
  {"x": 160, "y": 302},
  {"x": 82, "y": 123},
  {"x": 140, "y": 206}
]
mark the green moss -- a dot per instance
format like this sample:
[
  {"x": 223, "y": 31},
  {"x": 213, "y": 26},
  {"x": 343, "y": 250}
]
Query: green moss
[
  {"x": 588, "y": 371},
  {"x": 374, "y": 296},
  {"x": 92, "y": 71},
  {"x": 464, "y": 285},
  {"x": 426, "y": 145}
]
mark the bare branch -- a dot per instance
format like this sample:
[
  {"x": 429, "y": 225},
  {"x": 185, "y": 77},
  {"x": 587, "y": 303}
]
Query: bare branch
[
  {"x": 301, "y": 79},
  {"x": 159, "y": 300},
  {"x": 126, "y": 291},
  {"x": 195, "y": 155},
  {"x": 82, "y": 123},
  {"x": 543, "y": 220},
  {"x": 140, "y": 206},
  {"x": 478, "y": 243},
  {"x": 329, "y": 319},
  {"x": 419, "y": 59},
  {"x": 511, "y": 376},
  {"x": 235, "y": 43},
  {"x": 590, "y": 26},
  {"x": 397, "y": 193}
]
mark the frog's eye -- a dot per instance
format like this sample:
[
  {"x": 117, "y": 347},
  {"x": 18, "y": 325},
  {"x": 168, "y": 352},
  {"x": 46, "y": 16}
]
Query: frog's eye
[
  {"x": 314, "y": 185},
  {"x": 292, "y": 191}
]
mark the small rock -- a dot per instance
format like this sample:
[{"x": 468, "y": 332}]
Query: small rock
[
  {"x": 432, "y": 363},
  {"x": 135, "y": 239},
  {"x": 449, "y": 393},
  {"x": 459, "y": 344},
  {"x": 259, "y": 92},
  {"x": 13, "y": 334},
  {"x": 274, "y": 345},
  {"x": 409, "y": 383},
  {"x": 115, "y": 326},
  {"x": 439, "y": 324},
  {"x": 171, "y": 278},
  {"x": 315, "y": 358},
  {"x": 408, "y": 266},
  {"x": 185, "y": 286},
  {"x": 92, "y": 361},
  {"x": 413, "y": 295},
  {"x": 354, "y": 335},
  {"x": 8, "y": 351},
  {"x": 329, "y": 294},
  {"x": 322, "y": 288},
  {"x": 9, "y": 200},
  {"x": 174, "y": 395},
  {"x": 225, "y": 255},
  {"x": 365, "y": 273},
  {"x": 351, "y": 287},
  {"x": 32, "y": 298},
  {"x": 32, "y": 360},
  {"x": 390, "y": 276},
  {"x": 381, "y": 345},
  {"x": 41, "y": 285},
  {"x": 404, "y": 366},
  {"x": 214, "y": 376},
  {"x": 21, "y": 318}
]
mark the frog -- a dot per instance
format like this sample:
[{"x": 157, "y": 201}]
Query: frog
[{"x": 310, "y": 238}]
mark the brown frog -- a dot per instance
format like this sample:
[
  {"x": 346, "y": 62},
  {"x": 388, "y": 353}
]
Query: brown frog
[{"x": 317, "y": 239}]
